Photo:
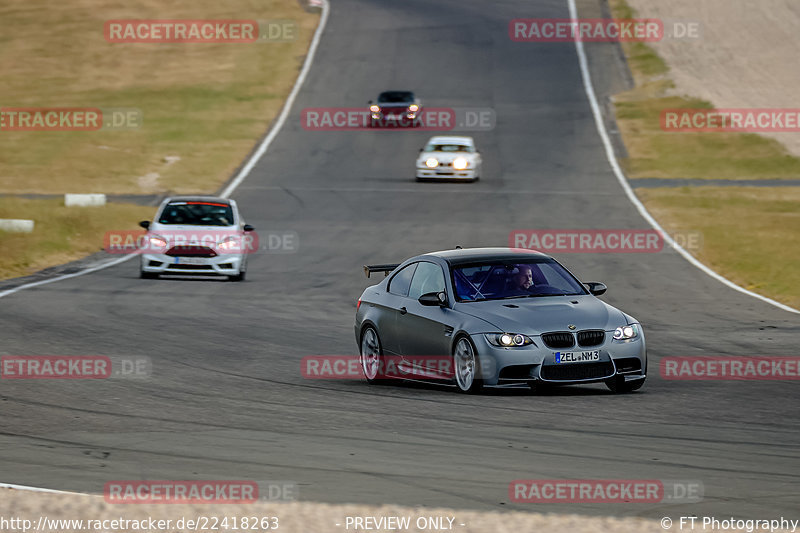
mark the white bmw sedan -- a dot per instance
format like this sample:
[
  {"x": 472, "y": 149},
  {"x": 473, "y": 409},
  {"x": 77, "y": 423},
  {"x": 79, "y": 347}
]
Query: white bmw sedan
[{"x": 449, "y": 158}]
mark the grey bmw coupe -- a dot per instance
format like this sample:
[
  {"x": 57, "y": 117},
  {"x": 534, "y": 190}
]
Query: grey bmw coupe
[{"x": 494, "y": 317}]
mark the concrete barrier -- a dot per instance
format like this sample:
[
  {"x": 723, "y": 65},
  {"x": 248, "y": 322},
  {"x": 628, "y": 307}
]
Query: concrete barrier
[
  {"x": 84, "y": 200},
  {"x": 16, "y": 225}
]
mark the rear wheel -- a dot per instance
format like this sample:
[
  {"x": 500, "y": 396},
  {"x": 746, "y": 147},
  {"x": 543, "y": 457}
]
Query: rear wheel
[
  {"x": 371, "y": 355},
  {"x": 466, "y": 367}
]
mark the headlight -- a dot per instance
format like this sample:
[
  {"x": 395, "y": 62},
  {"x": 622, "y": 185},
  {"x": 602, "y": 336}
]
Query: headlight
[
  {"x": 374, "y": 108},
  {"x": 626, "y": 332},
  {"x": 432, "y": 163},
  {"x": 413, "y": 107},
  {"x": 230, "y": 243},
  {"x": 157, "y": 242},
  {"x": 460, "y": 163},
  {"x": 507, "y": 340}
]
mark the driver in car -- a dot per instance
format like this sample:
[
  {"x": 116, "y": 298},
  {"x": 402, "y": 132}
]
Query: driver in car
[{"x": 521, "y": 279}]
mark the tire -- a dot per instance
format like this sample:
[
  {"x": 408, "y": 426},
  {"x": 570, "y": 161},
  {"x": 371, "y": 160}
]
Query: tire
[
  {"x": 371, "y": 355},
  {"x": 237, "y": 277},
  {"x": 147, "y": 275},
  {"x": 618, "y": 385},
  {"x": 466, "y": 367},
  {"x": 539, "y": 387}
]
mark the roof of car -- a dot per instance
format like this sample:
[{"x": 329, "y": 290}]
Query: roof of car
[
  {"x": 215, "y": 199},
  {"x": 469, "y": 255},
  {"x": 451, "y": 139}
]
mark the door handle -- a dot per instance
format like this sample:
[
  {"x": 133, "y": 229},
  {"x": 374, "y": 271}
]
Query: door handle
[{"x": 403, "y": 310}]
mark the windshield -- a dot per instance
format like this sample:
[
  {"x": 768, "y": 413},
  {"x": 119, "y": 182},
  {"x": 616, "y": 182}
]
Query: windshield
[
  {"x": 396, "y": 97},
  {"x": 505, "y": 280},
  {"x": 448, "y": 148},
  {"x": 197, "y": 214}
]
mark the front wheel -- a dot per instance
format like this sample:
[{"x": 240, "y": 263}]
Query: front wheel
[
  {"x": 147, "y": 275},
  {"x": 237, "y": 277},
  {"x": 618, "y": 385},
  {"x": 466, "y": 367},
  {"x": 371, "y": 355}
]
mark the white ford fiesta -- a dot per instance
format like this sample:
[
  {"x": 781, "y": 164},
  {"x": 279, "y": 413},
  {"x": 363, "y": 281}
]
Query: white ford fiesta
[
  {"x": 197, "y": 235},
  {"x": 449, "y": 158}
]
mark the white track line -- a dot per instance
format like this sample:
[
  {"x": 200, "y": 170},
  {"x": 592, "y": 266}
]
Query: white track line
[
  {"x": 36, "y": 489},
  {"x": 287, "y": 107},
  {"x": 612, "y": 160},
  {"x": 95, "y": 268},
  {"x": 240, "y": 177}
]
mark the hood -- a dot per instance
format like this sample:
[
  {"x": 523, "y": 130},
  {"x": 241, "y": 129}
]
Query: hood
[
  {"x": 193, "y": 235},
  {"x": 395, "y": 106},
  {"x": 187, "y": 229},
  {"x": 534, "y": 316}
]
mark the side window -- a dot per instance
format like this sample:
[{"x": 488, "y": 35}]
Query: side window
[
  {"x": 427, "y": 278},
  {"x": 400, "y": 282}
]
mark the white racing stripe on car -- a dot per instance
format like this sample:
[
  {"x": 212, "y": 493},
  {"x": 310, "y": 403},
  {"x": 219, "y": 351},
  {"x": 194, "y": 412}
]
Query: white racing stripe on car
[
  {"x": 612, "y": 160},
  {"x": 239, "y": 178}
]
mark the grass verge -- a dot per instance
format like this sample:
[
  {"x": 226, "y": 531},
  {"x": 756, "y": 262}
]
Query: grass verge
[
  {"x": 203, "y": 107},
  {"x": 61, "y": 234},
  {"x": 653, "y": 153},
  {"x": 750, "y": 234}
]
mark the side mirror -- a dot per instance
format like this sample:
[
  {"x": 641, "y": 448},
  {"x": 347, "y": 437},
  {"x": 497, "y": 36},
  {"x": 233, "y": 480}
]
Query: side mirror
[
  {"x": 145, "y": 224},
  {"x": 596, "y": 288},
  {"x": 370, "y": 102},
  {"x": 248, "y": 227},
  {"x": 432, "y": 299},
  {"x": 421, "y": 150}
]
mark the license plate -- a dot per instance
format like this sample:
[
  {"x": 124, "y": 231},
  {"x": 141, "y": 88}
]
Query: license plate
[
  {"x": 577, "y": 357},
  {"x": 190, "y": 261}
]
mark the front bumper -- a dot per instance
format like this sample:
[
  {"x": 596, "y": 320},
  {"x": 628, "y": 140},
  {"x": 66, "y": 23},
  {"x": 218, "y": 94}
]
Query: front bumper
[
  {"x": 445, "y": 173},
  {"x": 536, "y": 363},
  {"x": 220, "y": 265}
]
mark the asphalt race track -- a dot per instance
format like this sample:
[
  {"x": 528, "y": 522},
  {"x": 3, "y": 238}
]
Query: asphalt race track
[{"x": 226, "y": 399}]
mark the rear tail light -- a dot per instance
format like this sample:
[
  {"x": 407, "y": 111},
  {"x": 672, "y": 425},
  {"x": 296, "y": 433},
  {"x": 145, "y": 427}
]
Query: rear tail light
[{"x": 358, "y": 304}]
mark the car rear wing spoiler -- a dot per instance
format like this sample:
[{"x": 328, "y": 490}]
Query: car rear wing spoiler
[{"x": 369, "y": 269}]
